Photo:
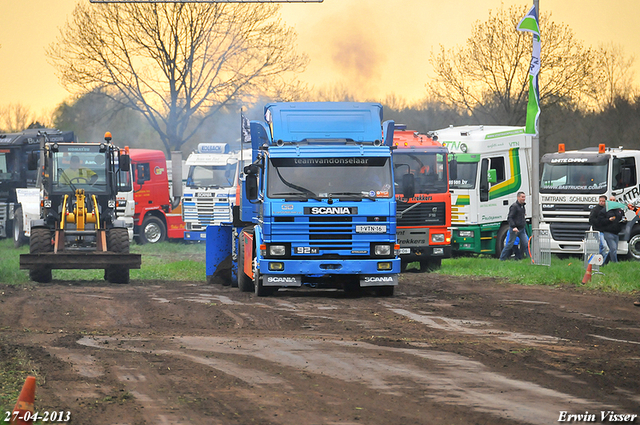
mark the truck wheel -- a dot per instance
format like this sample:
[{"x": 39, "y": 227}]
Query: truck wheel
[
  {"x": 634, "y": 246},
  {"x": 40, "y": 242},
  {"x": 152, "y": 230},
  {"x": 19, "y": 238},
  {"x": 117, "y": 242},
  {"x": 500, "y": 239},
  {"x": 245, "y": 284},
  {"x": 260, "y": 290}
]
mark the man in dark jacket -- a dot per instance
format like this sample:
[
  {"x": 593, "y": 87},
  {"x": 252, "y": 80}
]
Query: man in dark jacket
[
  {"x": 598, "y": 221},
  {"x": 516, "y": 220},
  {"x": 608, "y": 223}
]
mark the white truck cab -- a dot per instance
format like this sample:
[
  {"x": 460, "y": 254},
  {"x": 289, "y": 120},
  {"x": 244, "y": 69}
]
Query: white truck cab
[{"x": 210, "y": 190}]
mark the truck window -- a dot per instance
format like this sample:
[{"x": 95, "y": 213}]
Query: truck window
[
  {"x": 497, "y": 163},
  {"x": 329, "y": 177},
  {"x": 143, "y": 172},
  {"x": 4, "y": 169},
  {"x": 619, "y": 164},
  {"x": 211, "y": 176},
  {"x": 574, "y": 178},
  {"x": 428, "y": 169},
  {"x": 467, "y": 170}
]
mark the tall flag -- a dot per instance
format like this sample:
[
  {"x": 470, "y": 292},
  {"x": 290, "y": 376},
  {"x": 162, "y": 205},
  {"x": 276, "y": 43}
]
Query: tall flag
[
  {"x": 530, "y": 24},
  {"x": 245, "y": 130}
]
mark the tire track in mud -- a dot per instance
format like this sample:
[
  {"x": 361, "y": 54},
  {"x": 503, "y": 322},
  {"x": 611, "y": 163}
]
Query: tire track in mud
[{"x": 440, "y": 376}]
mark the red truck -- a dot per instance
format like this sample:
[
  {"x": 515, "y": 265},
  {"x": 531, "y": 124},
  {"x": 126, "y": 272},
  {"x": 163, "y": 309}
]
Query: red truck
[{"x": 156, "y": 217}]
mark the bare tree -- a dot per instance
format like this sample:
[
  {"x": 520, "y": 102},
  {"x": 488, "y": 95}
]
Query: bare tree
[
  {"x": 489, "y": 75},
  {"x": 15, "y": 117},
  {"x": 612, "y": 79},
  {"x": 179, "y": 63}
]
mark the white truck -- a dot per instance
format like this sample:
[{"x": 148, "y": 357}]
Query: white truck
[
  {"x": 570, "y": 185},
  {"x": 210, "y": 190},
  {"x": 488, "y": 166}
]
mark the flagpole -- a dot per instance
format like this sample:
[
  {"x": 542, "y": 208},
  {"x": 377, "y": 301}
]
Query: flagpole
[{"x": 535, "y": 167}]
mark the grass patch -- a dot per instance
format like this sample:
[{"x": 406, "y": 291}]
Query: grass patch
[
  {"x": 163, "y": 261},
  {"x": 615, "y": 277},
  {"x": 15, "y": 366},
  {"x": 186, "y": 262}
]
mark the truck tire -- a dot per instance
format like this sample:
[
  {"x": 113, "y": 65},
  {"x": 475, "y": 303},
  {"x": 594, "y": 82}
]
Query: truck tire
[
  {"x": 40, "y": 242},
  {"x": 245, "y": 284},
  {"x": 500, "y": 239},
  {"x": 117, "y": 242},
  {"x": 634, "y": 245},
  {"x": 19, "y": 238},
  {"x": 260, "y": 290},
  {"x": 152, "y": 230}
]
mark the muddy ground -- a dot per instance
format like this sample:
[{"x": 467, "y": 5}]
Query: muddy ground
[{"x": 443, "y": 350}]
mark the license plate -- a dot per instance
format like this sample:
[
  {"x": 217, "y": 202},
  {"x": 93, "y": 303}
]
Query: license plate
[
  {"x": 306, "y": 250},
  {"x": 371, "y": 229},
  {"x": 405, "y": 251}
]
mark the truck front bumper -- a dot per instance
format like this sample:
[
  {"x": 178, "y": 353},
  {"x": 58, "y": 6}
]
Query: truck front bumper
[{"x": 288, "y": 272}]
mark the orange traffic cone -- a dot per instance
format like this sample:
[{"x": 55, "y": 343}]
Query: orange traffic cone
[
  {"x": 587, "y": 275},
  {"x": 24, "y": 406}
]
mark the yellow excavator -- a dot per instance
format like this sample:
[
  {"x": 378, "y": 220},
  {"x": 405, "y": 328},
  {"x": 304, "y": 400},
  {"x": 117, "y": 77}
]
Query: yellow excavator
[{"x": 78, "y": 228}]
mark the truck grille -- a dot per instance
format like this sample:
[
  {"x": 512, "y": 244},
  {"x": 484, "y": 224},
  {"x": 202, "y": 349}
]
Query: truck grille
[
  {"x": 570, "y": 232},
  {"x": 556, "y": 212},
  {"x": 209, "y": 210},
  {"x": 424, "y": 214},
  {"x": 333, "y": 235}
]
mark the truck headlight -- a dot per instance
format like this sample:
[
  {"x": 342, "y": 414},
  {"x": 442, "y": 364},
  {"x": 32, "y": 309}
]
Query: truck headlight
[
  {"x": 437, "y": 238},
  {"x": 277, "y": 250},
  {"x": 466, "y": 233},
  {"x": 382, "y": 250}
]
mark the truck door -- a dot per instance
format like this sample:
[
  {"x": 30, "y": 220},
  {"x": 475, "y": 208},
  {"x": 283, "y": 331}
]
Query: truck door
[{"x": 624, "y": 183}]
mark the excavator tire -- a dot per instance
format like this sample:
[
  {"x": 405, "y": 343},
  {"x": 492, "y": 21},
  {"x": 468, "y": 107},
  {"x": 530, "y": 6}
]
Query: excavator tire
[
  {"x": 40, "y": 242},
  {"x": 118, "y": 242}
]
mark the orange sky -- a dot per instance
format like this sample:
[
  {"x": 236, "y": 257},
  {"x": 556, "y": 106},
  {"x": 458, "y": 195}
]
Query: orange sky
[{"x": 375, "y": 47}]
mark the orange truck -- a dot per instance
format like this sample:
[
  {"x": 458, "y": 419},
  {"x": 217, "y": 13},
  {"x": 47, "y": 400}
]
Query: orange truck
[{"x": 424, "y": 220}]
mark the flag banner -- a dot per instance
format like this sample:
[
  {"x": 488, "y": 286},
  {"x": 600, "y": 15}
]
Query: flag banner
[
  {"x": 613, "y": 205},
  {"x": 530, "y": 24},
  {"x": 245, "y": 130}
]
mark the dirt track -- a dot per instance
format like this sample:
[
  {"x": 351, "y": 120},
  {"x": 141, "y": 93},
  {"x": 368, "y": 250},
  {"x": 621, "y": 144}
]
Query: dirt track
[{"x": 439, "y": 352}]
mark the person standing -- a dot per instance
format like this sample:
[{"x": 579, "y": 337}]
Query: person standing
[
  {"x": 608, "y": 223},
  {"x": 517, "y": 222},
  {"x": 598, "y": 221}
]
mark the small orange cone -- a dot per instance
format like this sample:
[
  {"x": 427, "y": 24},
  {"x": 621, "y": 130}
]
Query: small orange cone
[
  {"x": 587, "y": 275},
  {"x": 25, "y": 403}
]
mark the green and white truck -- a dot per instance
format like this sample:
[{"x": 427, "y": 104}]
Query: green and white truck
[{"x": 488, "y": 166}]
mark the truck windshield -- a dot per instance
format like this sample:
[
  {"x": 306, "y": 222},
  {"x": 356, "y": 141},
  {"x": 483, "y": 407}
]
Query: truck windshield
[
  {"x": 574, "y": 178},
  {"x": 211, "y": 175},
  {"x": 465, "y": 175},
  {"x": 329, "y": 177},
  {"x": 428, "y": 169},
  {"x": 6, "y": 165},
  {"x": 79, "y": 167}
]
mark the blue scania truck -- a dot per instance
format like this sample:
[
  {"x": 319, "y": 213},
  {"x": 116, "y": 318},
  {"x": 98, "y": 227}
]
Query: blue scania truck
[{"x": 317, "y": 203}]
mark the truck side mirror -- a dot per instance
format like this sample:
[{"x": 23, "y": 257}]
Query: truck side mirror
[
  {"x": 125, "y": 162},
  {"x": 251, "y": 186},
  {"x": 32, "y": 161},
  {"x": 626, "y": 176},
  {"x": 492, "y": 176},
  {"x": 453, "y": 169},
  {"x": 408, "y": 186}
]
